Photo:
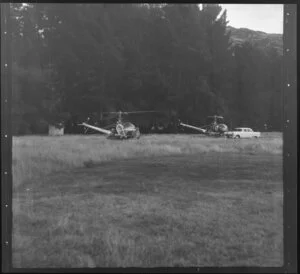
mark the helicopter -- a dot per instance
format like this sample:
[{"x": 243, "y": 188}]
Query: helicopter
[
  {"x": 213, "y": 129},
  {"x": 121, "y": 129}
]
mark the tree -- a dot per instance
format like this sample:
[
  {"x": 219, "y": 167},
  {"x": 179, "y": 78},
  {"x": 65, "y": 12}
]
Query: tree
[
  {"x": 220, "y": 52},
  {"x": 77, "y": 59}
]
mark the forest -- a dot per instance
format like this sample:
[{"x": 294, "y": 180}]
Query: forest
[{"x": 72, "y": 61}]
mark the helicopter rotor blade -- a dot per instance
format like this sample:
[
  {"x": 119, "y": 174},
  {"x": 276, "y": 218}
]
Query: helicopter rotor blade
[
  {"x": 216, "y": 116},
  {"x": 128, "y": 112},
  {"x": 146, "y": 111}
]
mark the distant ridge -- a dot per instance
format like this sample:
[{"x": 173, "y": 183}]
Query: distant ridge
[{"x": 260, "y": 39}]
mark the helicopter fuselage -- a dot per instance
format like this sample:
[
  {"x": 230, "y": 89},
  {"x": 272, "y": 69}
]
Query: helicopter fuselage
[
  {"x": 213, "y": 129},
  {"x": 125, "y": 130},
  {"x": 121, "y": 131}
]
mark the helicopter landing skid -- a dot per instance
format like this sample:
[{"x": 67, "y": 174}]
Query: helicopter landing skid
[
  {"x": 135, "y": 135},
  {"x": 215, "y": 134}
]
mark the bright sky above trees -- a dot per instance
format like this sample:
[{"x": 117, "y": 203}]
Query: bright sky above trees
[{"x": 263, "y": 17}]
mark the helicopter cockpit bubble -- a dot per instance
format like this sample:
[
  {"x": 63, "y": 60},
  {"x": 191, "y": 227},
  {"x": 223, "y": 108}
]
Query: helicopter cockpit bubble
[
  {"x": 222, "y": 128},
  {"x": 128, "y": 126}
]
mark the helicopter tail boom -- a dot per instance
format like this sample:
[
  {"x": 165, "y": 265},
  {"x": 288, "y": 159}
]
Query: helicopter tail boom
[
  {"x": 196, "y": 128},
  {"x": 102, "y": 130}
]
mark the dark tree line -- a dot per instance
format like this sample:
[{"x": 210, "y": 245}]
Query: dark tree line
[{"x": 71, "y": 60}]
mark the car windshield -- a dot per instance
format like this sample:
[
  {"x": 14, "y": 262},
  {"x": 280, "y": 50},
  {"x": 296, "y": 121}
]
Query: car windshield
[{"x": 237, "y": 129}]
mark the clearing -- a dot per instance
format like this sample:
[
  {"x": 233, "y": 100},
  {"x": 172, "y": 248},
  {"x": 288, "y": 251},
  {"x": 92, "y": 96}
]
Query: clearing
[{"x": 163, "y": 200}]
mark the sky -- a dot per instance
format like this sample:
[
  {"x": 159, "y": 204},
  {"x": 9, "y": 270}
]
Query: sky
[{"x": 262, "y": 17}]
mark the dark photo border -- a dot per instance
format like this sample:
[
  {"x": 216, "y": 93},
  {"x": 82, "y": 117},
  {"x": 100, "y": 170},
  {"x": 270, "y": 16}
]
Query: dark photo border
[
  {"x": 6, "y": 139},
  {"x": 290, "y": 158}
]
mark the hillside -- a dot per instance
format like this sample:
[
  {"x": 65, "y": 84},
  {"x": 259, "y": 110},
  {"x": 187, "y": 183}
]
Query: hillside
[{"x": 259, "y": 38}]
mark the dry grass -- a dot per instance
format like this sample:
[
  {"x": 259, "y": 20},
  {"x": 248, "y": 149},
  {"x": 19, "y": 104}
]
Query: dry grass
[
  {"x": 163, "y": 200},
  {"x": 36, "y": 156}
]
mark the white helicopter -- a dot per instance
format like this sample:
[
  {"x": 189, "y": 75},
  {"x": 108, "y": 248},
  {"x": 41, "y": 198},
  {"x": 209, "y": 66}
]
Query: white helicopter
[
  {"x": 213, "y": 129},
  {"x": 121, "y": 129}
]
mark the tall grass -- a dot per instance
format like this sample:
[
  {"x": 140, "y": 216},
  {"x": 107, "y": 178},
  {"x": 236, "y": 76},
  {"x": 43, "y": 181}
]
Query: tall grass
[
  {"x": 36, "y": 156},
  {"x": 219, "y": 203}
]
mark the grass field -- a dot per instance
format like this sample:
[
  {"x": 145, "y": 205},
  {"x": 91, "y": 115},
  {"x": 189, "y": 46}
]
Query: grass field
[{"x": 163, "y": 200}]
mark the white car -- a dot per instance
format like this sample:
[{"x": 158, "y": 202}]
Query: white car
[{"x": 242, "y": 132}]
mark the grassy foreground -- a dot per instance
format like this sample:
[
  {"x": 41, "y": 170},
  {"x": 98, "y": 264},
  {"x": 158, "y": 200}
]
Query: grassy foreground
[{"x": 163, "y": 200}]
